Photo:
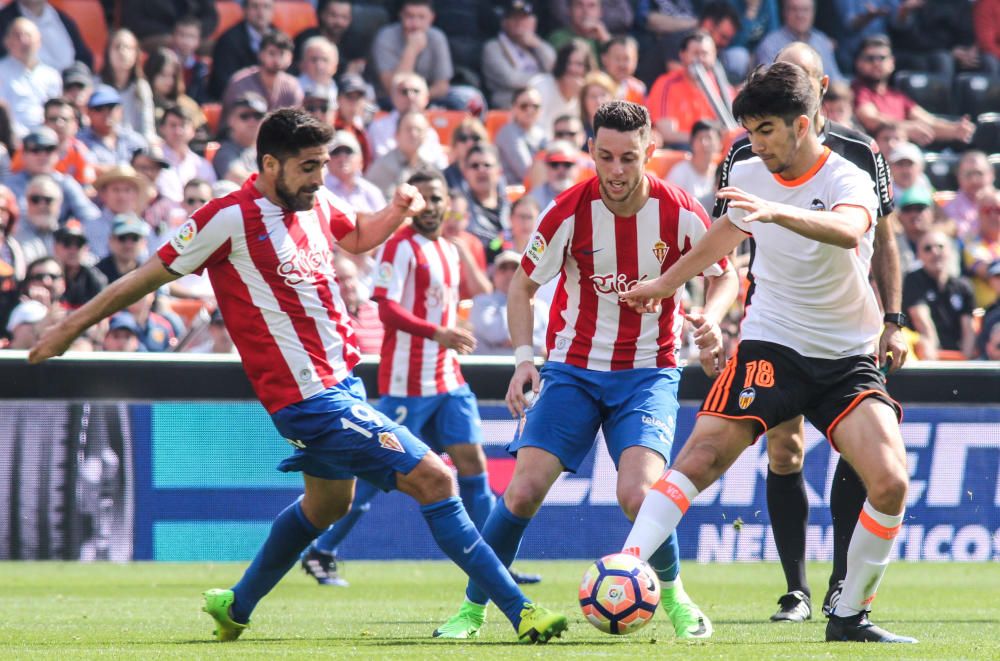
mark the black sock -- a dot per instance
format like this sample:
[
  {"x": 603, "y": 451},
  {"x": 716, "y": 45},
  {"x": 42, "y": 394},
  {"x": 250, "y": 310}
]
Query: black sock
[
  {"x": 788, "y": 507},
  {"x": 847, "y": 497}
]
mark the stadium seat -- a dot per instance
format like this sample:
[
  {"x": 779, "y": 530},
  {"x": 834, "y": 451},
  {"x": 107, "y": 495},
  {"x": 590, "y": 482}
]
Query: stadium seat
[
  {"x": 977, "y": 93},
  {"x": 294, "y": 16},
  {"x": 212, "y": 115},
  {"x": 930, "y": 90},
  {"x": 445, "y": 122},
  {"x": 940, "y": 169},
  {"x": 663, "y": 160},
  {"x": 230, "y": 13},
  {"x": 987, "y": 136},
  {"x": 93, "y": 24},
  {"x": 495, "y": 120},
  {"x": 211, "y": 147}
]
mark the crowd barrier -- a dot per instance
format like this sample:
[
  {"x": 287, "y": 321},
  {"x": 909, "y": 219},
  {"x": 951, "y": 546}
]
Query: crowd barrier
[{"x": 171, "y": 458}]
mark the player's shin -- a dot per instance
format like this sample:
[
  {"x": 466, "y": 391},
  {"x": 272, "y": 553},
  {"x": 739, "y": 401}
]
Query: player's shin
[
  {"x": 503, "y": 532},
  {"x": 867, "y": 559},
  {"x": 455, "y": 533},
  {"x": 661, "y": 511},
  {"x": 477, "y": 497}
]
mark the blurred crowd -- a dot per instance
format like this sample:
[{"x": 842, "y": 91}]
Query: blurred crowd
[{"x": 119, "y": 119}]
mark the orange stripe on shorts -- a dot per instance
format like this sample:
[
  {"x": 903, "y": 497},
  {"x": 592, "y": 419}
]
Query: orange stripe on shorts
[{"x": 876, "y": 528}]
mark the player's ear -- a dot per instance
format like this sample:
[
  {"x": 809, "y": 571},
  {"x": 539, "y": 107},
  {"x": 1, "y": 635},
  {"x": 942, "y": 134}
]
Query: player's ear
[
  {"x": 271, "y": 164},
  {"x": 824, "y": 85},
  {"x": 802, "y": 126}
]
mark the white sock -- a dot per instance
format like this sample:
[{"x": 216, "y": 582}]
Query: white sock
[
  {"x": 661, "y": 511},
  {"x": 867, "y": 559}
]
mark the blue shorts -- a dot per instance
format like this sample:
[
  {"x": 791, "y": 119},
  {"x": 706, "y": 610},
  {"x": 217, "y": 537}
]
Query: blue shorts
[
  {"x": 337, "y": 435},
  {"x": 439, "y": 420},
  {"x": 633, "y": 407}
]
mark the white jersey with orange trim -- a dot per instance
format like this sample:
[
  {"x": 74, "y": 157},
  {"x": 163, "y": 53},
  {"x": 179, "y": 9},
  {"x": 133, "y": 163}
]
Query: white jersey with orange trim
[
  {"x": 421, "y": 275},
  {"x": 810, "y": 296},
  {"x": 597, "y": 256},
  {"x": 272, "y": 273}
]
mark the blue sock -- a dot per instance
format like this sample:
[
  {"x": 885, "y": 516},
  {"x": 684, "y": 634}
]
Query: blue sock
[
  {"x": 477, "y": 497},
  {"x": 290, "y": 533},
  {"x": 666, "y": 560},
  {"x": 364, "y": 492},
  {"x": 458, "y": 538},
  {"x": 503, "y": 532}
]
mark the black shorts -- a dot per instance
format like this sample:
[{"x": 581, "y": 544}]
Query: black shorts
[{"x": 769, "y": 383}]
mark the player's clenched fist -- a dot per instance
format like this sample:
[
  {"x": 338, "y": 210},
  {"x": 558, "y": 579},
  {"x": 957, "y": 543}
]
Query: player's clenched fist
[{"x": 408, "y": 200}]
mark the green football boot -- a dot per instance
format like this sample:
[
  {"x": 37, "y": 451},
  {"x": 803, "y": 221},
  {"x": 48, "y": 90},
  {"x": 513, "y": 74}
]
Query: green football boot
[
  {"x": 217, "y": 603},
  {"x": 688, "y": 620},
  {"x": 539, "y": 624},
  {"x": 463, "y": 624}
]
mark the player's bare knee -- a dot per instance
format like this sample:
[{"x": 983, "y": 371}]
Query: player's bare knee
[
  {"x": 630, "y": 500},
  {"x": 888, "y": 493},
  {"x": 784, "y": 452},
  {"x": 468, "y": 459},
  {"x": 523, "y": 498}
]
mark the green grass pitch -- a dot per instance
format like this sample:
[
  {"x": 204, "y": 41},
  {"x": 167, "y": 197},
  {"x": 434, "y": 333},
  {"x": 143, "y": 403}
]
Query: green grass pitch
[{"x": 152, "y": 611}]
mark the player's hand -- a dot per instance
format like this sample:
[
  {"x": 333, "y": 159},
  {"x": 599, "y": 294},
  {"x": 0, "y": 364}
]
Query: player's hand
[
  {"x": 408, "y": 200},
  {"x": 892, "y": 342},
  {"x": 646, "y": 296},
  {"x": 708, "y": 339},
  {"x": 517, "y": 401},
  {"x": 53, "y": 342},
  {"x": 759, "y": 210},
  {"x": 458, "y": 339}
]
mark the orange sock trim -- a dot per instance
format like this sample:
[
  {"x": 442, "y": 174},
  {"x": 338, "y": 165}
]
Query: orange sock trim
[
  {"x": 876, "y": 528},
  {"x": 673, "y": 492}
]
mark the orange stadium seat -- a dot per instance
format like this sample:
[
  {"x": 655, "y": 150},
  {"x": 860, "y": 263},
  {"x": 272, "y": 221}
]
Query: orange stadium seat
[
  {"x": 663, "y": 160},
  {"x": 230, "y": 13},
  {"x": 93, "y": 24},
  {"x": 294, "y": 16},
  {"x": 445, "y": 122},
  {"x": 212, "y": 115},
  {"x": 495, "y": 119}
]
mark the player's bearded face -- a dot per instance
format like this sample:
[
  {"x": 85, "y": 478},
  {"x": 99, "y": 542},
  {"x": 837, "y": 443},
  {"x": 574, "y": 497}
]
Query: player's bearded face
[
  {"x": 429, "y": 220},
  {"x": 620, "y": 159},
  {"x": 296, "y": 192}
]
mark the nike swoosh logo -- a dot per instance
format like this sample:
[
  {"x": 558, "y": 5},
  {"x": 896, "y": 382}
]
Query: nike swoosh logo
[
  {"x": 591, "y": 252},
  {"x": 262, "y": 237},
  {"x": 468, "y": 550}
]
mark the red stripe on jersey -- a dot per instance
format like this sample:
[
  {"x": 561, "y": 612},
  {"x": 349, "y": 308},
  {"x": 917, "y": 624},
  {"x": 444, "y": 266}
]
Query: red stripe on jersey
[
  {"x": 629, "y": 322},
  {"x": 446, "y": 360},
  {"x": 389, "y": 341},
  {"x": 421, "y": 280},
  {"x": 335, "y": 220},
  {"x": 582, "y": 248},
  {"x": 557, "y": 322},
  {"x": 667, "y": 342}
]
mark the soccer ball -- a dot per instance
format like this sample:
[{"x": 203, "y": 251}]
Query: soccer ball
[{"x": 619, "y": 594}]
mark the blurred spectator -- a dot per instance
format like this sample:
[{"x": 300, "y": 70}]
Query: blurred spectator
[
  {"x": 586, "y": 22},
  {"x": 155, "y": 331},
  {"x": 7, "y": 142},
  {"x": 110, "y": 141},
  {"x": 982, "y": 249},
  {"x": 396, "y": 166},
  {"x": 696, "y": 175},
  {"x": 975, "y": 176},
  {"x": 676, "y": 100},
  {"x": 177, "y": 131},
  {"x": 888, "y": 136},
  {"x": 318, "y": 65},
  {"x": 988, "y": 342},
  {"x": 368, "y": 328},
  {"x": 45, "y": 284},
  {"x": 334, "y": 18},
  {"x": 409, "y": 93},
  {"x": 219, "y": 341},
  {"x": 320, "y": 104},
  {"x": 618, "y": 15},
  {"x": 123, "y": 334},
  {"x": 121, "y": 191},
  {"x": 864, "y": 18},
  {"x": 489, "y": 311},
  {"x": 184, "y": 41},
  {"x": 938, "y": 305},
  {"x": 12, "y": 261},
  {"x": 25, "y": 81},
  {"x": 915, "y": 213},
  {"x": 43, "y": 199},
  {"x": 758, "y": 18},
  {"x": 25, "y": 324},
  {"x": 799, "y": 17},
  {"x": 239, "y": 149},
  {"x": 467, "y": 25},
  {"x": 567, "y": 128},
  {"x": 523, "y": 219},
  {"x": 876, "y": 102},
  {"x": 237, "y": 47},
  {"x": 413, "y": 45},
  {"x": 619, "y": 59},
  {"x": 938, "y": 36},
  {"x": 516, "y": 54},
  {"x": 73, "y": 156},
  {"x": 166, "y": 78},
  {"x": 661, "y": 25},
  {"x": 986, "y": 19},
  {"x": 39, "y": 156},
  {"x": 63, "y": 42},
  {"x": 152, "y": 21},
  {"x": 122, "y": 70},
  {"x": 838, "y": 105},
  {"x": 344, "y": 179},
  {"x": 488, "y": 205},
  {"x": 197, "y": 193},
  {"x": 560, "y": 90},
  {"x": 906, "y": 165},
  {"x": 127, "y": 246},
  {"x": 163, "y": 190},
  {"x": 455, "y": 229},
  {"x": 522, "y": 137},
  {"x": 351, "y": 102},
  {"x": 721, "y": 21},
  {"x": 78, "y": 85},
  {"x": 598, "y": 87},
  {"x": 468, "y": 133},
  {"x": 268, "y": 78},
  {"x": 83, "y": 280},
  {"x": 562, "y": 170}
]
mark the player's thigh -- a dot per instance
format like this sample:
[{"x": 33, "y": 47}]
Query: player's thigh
[
  {"x": 324, "y": 501},
  {"x": 869, "y": 438},
  {"x": 641, "y": 407},
  {"x": 638, "y": 469},
  {"x": 535, "y": 471},
  {"x": 714, "y": 444},
  {"x": 785, "y": 446}
]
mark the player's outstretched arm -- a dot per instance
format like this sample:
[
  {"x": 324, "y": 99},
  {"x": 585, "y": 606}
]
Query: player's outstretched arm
[
  {"x": 122, "y": 292},
  {"x": 720, "y": 240},
  {"x": 521, "y": 323},
  {"x": 373, "y": 229}
]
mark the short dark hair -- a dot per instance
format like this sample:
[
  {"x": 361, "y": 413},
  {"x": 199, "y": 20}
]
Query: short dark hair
[
  {"x": 196, "y": 182},
  {"x": 781, "y": 89},
  {"x": 718, "y": 11},
  {"x": 480, "y": 148},
  {"x": 285, "y": 132},
  {"x": 175, "y": 111},
  {"x": 278, "y": 39},
  {"x": 188, "y": 21},
  {"x": 697, "y": 35},
  {"x": 619, "y": 40},
  {"x": 566, "y": 51},
  {"x": 57, "y": 102},
  {"x": 425, "y": 174},
  {"x": 402, "y": 4},
  {"x": 623, "y": 116},
  {"x": 874, "y": 41},
  {"x": 705, "y": 125}
]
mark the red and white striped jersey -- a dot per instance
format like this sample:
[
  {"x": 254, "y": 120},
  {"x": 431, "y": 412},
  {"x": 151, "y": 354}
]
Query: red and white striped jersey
[
  {"x": 272, "y": 273},
  {"x": 422, "y": 276},
  {"x": 598, "y": 255}
]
